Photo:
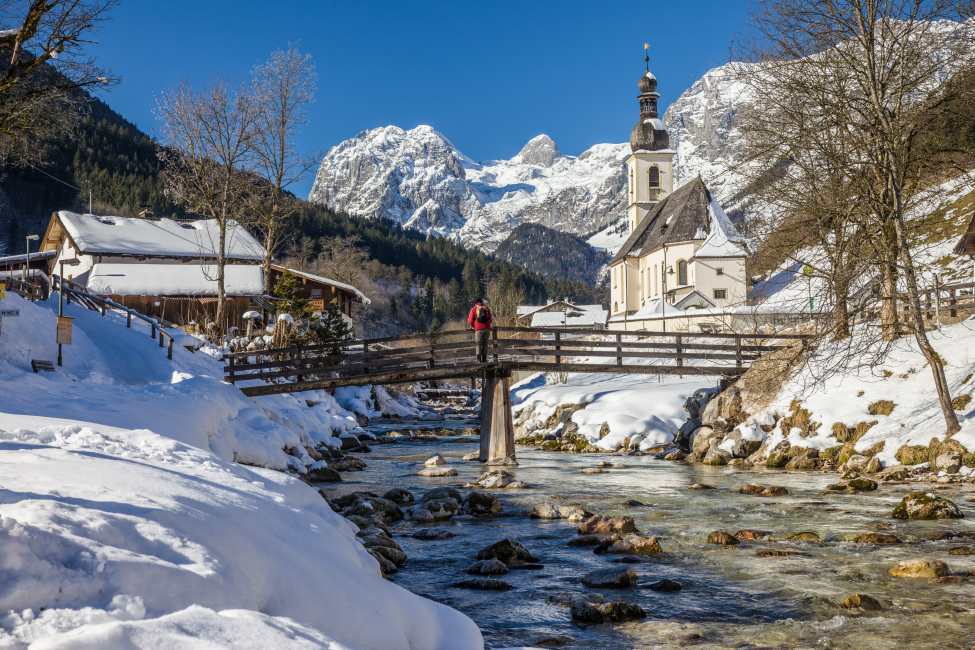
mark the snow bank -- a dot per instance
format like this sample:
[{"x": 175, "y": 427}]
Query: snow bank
[{"x": 103, "y": 527}]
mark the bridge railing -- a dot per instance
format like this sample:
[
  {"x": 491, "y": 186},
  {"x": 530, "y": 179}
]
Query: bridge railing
[{"x": 452, "y": 354}]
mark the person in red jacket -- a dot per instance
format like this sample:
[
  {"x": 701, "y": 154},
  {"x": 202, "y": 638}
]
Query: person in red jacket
[{"x": 480, "y": 322}]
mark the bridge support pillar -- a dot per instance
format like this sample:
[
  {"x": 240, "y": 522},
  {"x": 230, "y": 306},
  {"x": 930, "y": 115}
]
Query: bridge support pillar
[{"x": 497, "y": 426}]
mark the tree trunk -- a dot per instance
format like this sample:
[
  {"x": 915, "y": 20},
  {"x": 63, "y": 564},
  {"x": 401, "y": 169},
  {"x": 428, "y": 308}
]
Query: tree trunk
[{"x": 888, "y": 300}]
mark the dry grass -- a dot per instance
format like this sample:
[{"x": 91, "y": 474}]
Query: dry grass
[{"x": 881, "y": 407}]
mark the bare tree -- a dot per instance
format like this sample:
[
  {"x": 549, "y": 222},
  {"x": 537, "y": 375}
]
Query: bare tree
[
  {"x": 860, "y": 84},
  {"x": 43, "y": 65},
  {"x": 503, "y": 299},
  {"x": 209, "y": 143},
  {"x": 282, "y": 88},
  {"x": 342, "y": 258}
]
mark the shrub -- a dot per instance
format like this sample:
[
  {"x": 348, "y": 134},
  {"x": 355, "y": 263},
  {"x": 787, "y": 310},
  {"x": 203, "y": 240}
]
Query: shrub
[
  {"x": 961, "y": 402},
  {"x": 881, "y": 407}
]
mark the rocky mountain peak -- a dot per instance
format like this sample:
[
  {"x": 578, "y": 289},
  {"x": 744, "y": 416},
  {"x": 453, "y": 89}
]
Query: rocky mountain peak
[{"x": 540, "y": 150}]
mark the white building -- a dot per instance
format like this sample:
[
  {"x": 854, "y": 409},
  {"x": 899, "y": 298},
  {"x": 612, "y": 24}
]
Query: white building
[
  {"x": 682, "y": 251},
  {"x": 562, "y": 313}
]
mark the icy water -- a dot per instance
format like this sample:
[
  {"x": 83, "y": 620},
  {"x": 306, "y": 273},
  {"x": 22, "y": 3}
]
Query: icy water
[{"x": 731, "y": 597}]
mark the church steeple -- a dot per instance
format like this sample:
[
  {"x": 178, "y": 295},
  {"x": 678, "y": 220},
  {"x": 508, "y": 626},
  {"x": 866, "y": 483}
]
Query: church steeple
[{"x": 649, "y": 134}]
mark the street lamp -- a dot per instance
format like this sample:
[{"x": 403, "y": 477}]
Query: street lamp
[
  {"x": 72, "y": 262},
  {"x": 27, "y": 264}
]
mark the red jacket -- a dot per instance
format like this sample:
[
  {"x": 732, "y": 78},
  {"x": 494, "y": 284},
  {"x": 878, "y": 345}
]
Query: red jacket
[{"x": 473, "y": 321}]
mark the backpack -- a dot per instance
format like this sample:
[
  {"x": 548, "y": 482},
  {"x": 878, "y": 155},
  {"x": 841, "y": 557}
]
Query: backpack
[{"x": 481, "y": 314}]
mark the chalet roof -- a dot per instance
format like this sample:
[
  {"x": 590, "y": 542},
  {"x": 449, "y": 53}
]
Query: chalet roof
[
  {"x": 174, "y": 280},
  {"x": 570, "y": 319},
  {"x": 324, "y": 280},
  {"x": 689, "y": 214},
  {"x": 19, "y": 259},
  {"x": 525, "y": 310},
  {"x": 966, "y": 245},
  {"x": 160, "y": 238}
]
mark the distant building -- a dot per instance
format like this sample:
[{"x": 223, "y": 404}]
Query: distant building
[
  {"x": 562, "y": 313},
  {"x": 164, "y": 268},
  {"x": 682, "y": 250},
  {"x": 966, "y": 245},
  {"x": 321, "y": 291}
]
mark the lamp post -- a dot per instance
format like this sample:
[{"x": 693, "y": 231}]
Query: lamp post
[
  {"x": 27, "y": 265},
  {"x": 71, "y": 262}
]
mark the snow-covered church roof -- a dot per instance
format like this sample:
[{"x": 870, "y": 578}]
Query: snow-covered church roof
[
  {"x": 166, "y": 238},
  {"x": 724, "y": 240}
]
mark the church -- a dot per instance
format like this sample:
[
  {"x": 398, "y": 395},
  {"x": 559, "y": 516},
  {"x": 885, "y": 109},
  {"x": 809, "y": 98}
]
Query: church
[{"x": 682, "y": 252}]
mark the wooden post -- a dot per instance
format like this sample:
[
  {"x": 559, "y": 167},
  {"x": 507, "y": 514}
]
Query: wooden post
[
  {"x": 128, "y": 321},
  {"x": 927, "y": 305},
  {"x": 433, "y": 353},
  {"x": 497, "y": 426},
  {"x": 680, "y": 360},
  {"x": 365, "y": 350},
  {"x": 494, "y": 338},
  {"x": 619, "y": 349},
  {"x": 170, "y": 354},
  {"x": 558, "y": 338},
  {"x": 738, "y": 359},
  {"x": 230, "y": 368},
  {"x": 952, "y": 302}
]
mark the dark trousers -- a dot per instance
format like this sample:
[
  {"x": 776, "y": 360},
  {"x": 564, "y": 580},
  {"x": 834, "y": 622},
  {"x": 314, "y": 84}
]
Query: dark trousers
[{"x": 481, "y": 342}]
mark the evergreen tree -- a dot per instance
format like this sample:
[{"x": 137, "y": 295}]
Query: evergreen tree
[
  {"x": 291, "y": 300},
  {"x": 332, "y": 329}
]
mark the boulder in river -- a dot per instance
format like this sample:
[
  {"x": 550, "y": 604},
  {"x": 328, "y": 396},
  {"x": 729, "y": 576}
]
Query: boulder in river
[
  {"x": 437, "y": 472},
  {"x": 877, "y": 538},
  {"x": 474, "y": 455},
  {"x": 492, "y": 567},
  {"x": 421, "y": 515},
  {"x": 395, "y": 556},
  {"x": 366, "y": 523},
  {"x": 502, "y": 462},
  {"x": 484, "y": 584},
  {"x": 606, "y": 612},
  {"x": 611, "y": 578},
  {"x": 593, "y": 470},
  {"x": 508, "y": 551},
  {"x": 602, "y": 524},
  {"x": 550, "y": 510},
  {"x": 803, "y": 537},
  {"x": 948, "y": 462},
  {"x": 442, "y": 493},
  {"x": 387, "y": 567},
  {"x": 925, "y": 505},
  {"x": 667, "y": 586},
  {"x": 320, "y": 472},
  {"x": 436, "y": 459},
  {"x": 496, "y": 478},
  {"x": 701, "y": 486},
  {"x": 862, "y": 601},
  {"x": 751, "y": 488},
  {"x": 367, "y": 504},
  {"x": 432, "y": 534},
  {"x": 675, "y": 455},
  {"x": 920, "y": 568},
  {"x": 856, "y": 484},
  {"x": 441, "y": 508},
  {"x": 722, "y": 538},
  {"x": 636, "y": 545},
  {"x": 585, "y": 540},
  {"x": 399, "y": 496},
  {"x": 481, "y": 503},
  {"x": 773, "y": 491},
  {"x": 752, "y": 534}
]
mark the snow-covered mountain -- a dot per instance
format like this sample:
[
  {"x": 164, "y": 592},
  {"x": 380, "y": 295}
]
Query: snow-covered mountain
[{"x": 421, "y": 180}]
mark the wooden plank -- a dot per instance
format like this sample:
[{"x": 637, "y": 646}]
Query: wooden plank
[
  {"x": 622, "y": 370},
  {"x": 410, "y": 376},
  {"x": 564, "y": 344},
  {"x": 545, "y": 352},
  {"x": 352, "y": 357},
  {"x": 609, "y": 332}
]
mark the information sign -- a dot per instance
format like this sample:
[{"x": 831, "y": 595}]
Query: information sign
[
  {"x": 12, "y": 313},
  {"x": 64, "y": 330}
]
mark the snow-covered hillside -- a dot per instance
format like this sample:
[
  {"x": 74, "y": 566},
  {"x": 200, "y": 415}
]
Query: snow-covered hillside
[
  {"x": 125, "y": 522},
  {"x": 418, "y": 178}
]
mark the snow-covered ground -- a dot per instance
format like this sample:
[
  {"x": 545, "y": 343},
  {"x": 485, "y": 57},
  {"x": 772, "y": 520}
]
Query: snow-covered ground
[{"x": 125, "y": 523}]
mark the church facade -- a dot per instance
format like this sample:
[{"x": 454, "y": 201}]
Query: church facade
[{"x": 682, "y": 252}]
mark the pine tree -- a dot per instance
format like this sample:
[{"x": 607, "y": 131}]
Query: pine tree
[
  {"x": 292, "y": 302},
  {"x": 332, "y": 329}
]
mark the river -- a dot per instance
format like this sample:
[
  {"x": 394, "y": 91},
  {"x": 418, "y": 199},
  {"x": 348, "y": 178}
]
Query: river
[{"x": 731, "y": 598}]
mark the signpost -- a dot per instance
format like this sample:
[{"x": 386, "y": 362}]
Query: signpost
[
  {"x": 12, "y": 313},
  {"x": 808, "y": 271},
  {"x": 64, "y": 331},
  {"x": 71, "y": 262}
]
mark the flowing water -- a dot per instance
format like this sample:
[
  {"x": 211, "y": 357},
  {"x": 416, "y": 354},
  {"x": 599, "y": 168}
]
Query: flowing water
[{"x": 731, "y": 596}]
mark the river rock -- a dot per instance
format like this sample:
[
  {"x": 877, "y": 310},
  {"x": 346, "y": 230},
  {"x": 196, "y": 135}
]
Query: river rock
[
  {"x": 675, "y": 455},
  {"x": 948, "y": 462},
  {"x": 862, "y": 601},
  {"x": 422, "y": 516},
  {"x": 627, "y": 559},
  {"x": 602, "y": 524},
  {"x": 751, "y": 488},
  {"x": 349, "y": 441},
  {"x": 894, "y": 474},
  {"x": 436, "y": 459},
  {"x": 367, "y": 504},
  {"x": 950, "y": 580},
  {"x": 633, "y": 503},
  {"x": 704, "y": 439},
  {"x": 442, "y": 493},
  {"x": 807, "y": 460},
  {"x": 492, "y": 567},
  {"x": 874, "y": 465},
  {"x": 367, "y": 523},
  {"x": 508, "y": 551},
  {"x": 432, "y": 534},
  {"x": 606, "y": 612},
  {"x": 484, "y": 584},
  {"x": 717, "y": 457},
  {"x": 920, "y": 568},
  {"x": 399, "y": 496},
  {"x": 441, "y": 508},
  {"x": 481, "y": 503},
  {"x": 496, "y": 478},
  {"x": 611, "y": 578},
  {"x": 803, "y": 537},
  {"x": 877, "y": 538},
  {"x": 774, "y": 491},
  {"x": 320, "y": 472},
  {"x": 701, "y": 486},
  {"x": 387, "y": 567},
  {"x": 666, "y": 586},
  {"x": 517, "y": 485},
  {"x": 549, "y": 510},
  {"x": 437, "y": 472},
  {"x": 961, "y": 550},
  {"x": 924, "y": 505},
  {"x": 502, "y": 462},
  {"x": 376, "y": 538},
  {"x": 631, "y": 545},
  {"x": 855, "y": 485},
  {"x": 585, "y": 540},
  {"x": 474, "y": 455},
  {"x": 752, "y": 534},
  {"x": 594, "y": 470},
  {"x": 347, "y": 464},
  {"x": 722, "y": 538},
  {"x": 395, "y": 556},
  {"x": 526, "y": 566}
]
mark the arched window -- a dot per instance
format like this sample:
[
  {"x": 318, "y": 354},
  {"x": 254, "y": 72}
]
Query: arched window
[
  {"x": 682, "y": 272},
  {"x": 653, "y": 176},
  {"x": 616, "y": 306},
  {"x": 656, "y": 287}
]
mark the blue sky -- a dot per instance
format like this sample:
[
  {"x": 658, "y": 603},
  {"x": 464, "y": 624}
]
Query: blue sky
[{"x": 488, "y": 75}]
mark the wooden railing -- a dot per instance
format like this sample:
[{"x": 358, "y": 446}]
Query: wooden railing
[
  {"x": 451, "y": 355},
  {"x": 29, "y": 290},
  {"x": 948, "y": 299},
  {"x": 75, "y": 292}
]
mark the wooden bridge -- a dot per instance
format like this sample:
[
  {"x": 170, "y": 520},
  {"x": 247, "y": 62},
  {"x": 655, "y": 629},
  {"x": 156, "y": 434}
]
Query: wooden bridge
[{"x": 451, "y": 355}]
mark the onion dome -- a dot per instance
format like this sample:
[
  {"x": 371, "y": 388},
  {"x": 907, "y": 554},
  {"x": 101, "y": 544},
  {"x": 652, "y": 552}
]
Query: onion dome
[
  {"x": 648, "y": 83},
  {"x": 649, "y": 134}
]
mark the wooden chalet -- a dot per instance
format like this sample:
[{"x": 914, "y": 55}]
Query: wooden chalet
[
  {"x": 966, "y": 245},
  {"x": 321, "y": 291}
]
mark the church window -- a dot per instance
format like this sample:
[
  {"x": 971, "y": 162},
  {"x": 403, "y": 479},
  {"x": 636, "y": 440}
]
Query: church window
[
  {"x": 682, "y": 273},
  {"x": 653, "y": 175},
  {"x": 656, "y": 287},
  {"x": 614, "y": 278},
  {"x": 720, "y": 294}
]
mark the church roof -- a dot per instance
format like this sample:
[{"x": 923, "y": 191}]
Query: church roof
[{"x": 685, "y": 215}]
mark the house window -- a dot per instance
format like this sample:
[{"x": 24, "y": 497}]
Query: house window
[
  {"x": 653, "y": 176},
  {"x": 719, "y": 271},
  {"x": 720, "y": 294},
  {"x": 682, "y": 273},
  {"x": 316, "y": 293}
]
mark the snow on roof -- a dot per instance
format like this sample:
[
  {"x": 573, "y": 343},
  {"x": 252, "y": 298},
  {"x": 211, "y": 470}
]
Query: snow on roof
[
  {"x": 151, "y": 238},
  {"x": 569, "y": 319},
  {"x": 324, "y": 280},
  {"x": 656, "y": 307},
  {"x": 656, "y": 123},
  {"x": 724, "y": 240},
  {"x": 174, "y": 280},
  {"x": 45, "y": 255},
  {"x": 525, "y": 310}
]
